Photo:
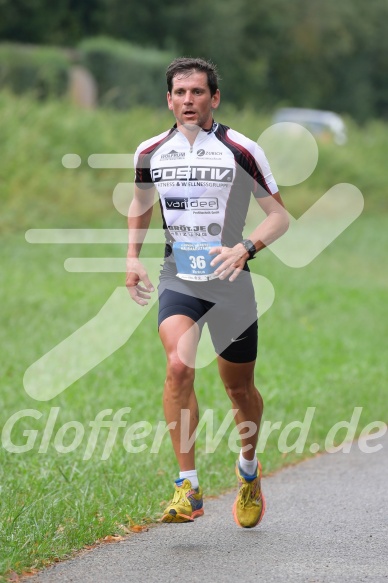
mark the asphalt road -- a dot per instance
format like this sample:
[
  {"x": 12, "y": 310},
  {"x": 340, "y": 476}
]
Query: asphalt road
[{"x": 326, "y": 522}]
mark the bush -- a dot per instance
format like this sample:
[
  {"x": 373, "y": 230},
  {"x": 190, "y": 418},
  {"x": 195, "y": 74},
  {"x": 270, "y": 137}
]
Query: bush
[
  {"x": 126, "y": 75},
  {"x": 41, "y": 70}
]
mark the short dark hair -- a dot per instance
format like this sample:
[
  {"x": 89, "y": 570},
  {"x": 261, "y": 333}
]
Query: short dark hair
[{"x": 187, "y": 65}]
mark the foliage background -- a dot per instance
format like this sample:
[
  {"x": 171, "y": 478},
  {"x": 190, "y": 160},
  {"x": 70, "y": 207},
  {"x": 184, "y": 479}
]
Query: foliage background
[
  {"x": 321, "y": 344},
  {"x": 305, "y": 53},
  {"x": 323, "y": 341}
]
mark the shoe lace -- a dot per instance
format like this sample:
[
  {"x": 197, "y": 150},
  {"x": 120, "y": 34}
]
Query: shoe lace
[
  {"x": 248, "y": 492},
  {"x": 180, "y": 496},
  {"x": 244, "y": 495}
]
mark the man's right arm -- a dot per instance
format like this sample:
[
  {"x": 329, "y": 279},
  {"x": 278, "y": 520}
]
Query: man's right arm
[{"x": 139, "y": 217}]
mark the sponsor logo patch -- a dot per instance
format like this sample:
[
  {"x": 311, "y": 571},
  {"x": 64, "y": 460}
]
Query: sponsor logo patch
[
  {"x": 187, "y": 204},
  {"x": 173, "y": 155},
  {"x": 214, "y": 229},
  {"x": 201, "y": 153},
  {"x": 192, "y": 173},
  {"x": 188, "y": 229}
]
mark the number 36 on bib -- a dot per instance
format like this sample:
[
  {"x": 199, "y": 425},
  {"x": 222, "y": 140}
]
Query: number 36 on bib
[{"x": 193, "y": 260}]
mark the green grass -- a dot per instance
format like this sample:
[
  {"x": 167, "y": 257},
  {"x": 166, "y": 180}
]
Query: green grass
[
  {"x": 321, "y": 343},
  {"x": 36, "y": 191}
]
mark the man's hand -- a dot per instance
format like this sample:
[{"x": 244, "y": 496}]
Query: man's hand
[
  {"x": 136, "y": 274},
  {"x": 231, "y": 260}
]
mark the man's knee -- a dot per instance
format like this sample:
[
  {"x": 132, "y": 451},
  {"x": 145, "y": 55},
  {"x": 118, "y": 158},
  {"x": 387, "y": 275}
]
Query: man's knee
[
  {"x": 178, "y": 373},
  {"x": 238, "y": 390},
  {"x": 243, "y": 390}
]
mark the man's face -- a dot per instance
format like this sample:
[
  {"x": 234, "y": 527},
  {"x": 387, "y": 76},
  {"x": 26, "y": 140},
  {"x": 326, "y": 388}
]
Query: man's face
[{"x": 190, "y": 100}]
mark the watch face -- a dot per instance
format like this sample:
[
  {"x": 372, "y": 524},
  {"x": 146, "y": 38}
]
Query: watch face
[{"x": 249, "y": 246}]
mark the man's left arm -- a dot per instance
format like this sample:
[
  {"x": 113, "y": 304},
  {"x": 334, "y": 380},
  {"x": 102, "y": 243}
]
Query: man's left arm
[{"x": 274, "y": 225}]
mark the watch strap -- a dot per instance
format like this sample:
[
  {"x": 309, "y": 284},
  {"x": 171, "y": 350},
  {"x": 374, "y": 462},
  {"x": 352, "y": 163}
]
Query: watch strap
[{"x": 249, "y": 247}]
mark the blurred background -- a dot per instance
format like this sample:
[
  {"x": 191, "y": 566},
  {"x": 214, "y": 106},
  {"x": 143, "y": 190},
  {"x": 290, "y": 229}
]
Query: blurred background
[
  {"x": 305, "y": 53},
  {"x": 88, "y": 76},
  {"x": 84, "y": 77}
]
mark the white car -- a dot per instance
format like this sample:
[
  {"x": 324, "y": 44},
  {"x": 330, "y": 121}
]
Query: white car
[{"x": 318, "y": 122}]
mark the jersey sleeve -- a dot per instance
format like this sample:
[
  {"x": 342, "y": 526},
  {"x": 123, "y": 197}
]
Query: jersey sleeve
[
  {"x": 253, "y": 162},
  {"x": 264, "y": 182},
  {"x": 142, "y": 169},
  {"x": 142, "y": 160}
]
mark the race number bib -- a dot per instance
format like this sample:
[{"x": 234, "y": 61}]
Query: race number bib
[{"x": 193, "y": 260}]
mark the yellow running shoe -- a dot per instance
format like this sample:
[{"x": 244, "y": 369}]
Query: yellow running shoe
[
  {"x": 249, "y": 506},
  {"x": 187, "y": 503}
]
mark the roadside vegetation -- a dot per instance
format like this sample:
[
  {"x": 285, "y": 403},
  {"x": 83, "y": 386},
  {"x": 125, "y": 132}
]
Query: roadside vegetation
[{"x": 320, "y": 345}]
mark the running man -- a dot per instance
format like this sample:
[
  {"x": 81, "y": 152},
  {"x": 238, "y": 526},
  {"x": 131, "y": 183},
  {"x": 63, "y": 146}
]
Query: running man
[{"x": 205, "y": 174}]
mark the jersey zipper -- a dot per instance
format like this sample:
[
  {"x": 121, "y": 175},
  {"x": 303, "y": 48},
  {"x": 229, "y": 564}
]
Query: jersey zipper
[{"x": 190, "y": 220}]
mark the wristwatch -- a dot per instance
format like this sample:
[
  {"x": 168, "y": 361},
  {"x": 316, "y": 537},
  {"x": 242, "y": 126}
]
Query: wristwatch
[{"x": 249, "y": 247}]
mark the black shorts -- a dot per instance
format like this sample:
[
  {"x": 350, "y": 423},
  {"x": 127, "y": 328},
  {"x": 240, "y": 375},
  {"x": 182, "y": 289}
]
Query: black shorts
[{"x": 228, "y": 308}]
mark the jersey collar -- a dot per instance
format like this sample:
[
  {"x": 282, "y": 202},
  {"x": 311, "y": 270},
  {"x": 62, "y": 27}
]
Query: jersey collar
[{"x": 206, "y": 130}]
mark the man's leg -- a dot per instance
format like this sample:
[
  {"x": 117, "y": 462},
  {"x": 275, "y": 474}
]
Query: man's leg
[
  {"x": 180, "y": 336},
  {"x": 179, "y": 384},
  {"x": 238, "y": 379}
]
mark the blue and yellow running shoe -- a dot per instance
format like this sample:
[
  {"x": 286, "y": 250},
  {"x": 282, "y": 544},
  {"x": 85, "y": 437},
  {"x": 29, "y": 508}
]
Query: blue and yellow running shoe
[
  {"x": 187, "y": 503},
  {"x": 249, "y": 506}
]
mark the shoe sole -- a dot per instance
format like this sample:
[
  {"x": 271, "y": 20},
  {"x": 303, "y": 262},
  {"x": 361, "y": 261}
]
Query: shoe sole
[{"x": 180, "y": 518}]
